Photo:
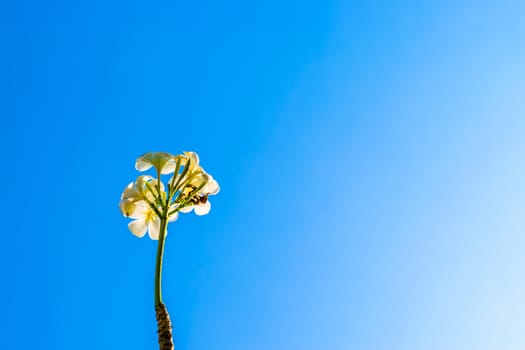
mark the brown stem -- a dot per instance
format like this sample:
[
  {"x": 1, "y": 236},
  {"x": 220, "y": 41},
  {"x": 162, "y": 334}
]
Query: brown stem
[{"x": 164, "y": 327}]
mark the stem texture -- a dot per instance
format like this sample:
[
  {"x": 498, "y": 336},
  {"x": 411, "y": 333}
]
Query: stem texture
[{"x": 165, "y": 330}]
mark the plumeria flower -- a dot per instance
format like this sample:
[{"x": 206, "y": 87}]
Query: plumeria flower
[
  {"x": 145, "y": 188},
  {"x": 134, "y": 192},
  {"x": 147, "y": 201},
  {"x": 138, "y": 202},
  {"x": 147, "y": 220},
  {"x": 163, "y": 162},
  {"x": 193, "y": 161},
  {"x": 190, "y": 168},
  {"x": 199, "y": 197},
  {"x": 139, "y": 190}
]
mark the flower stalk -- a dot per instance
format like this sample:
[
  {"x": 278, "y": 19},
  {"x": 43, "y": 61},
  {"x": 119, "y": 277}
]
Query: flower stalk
[
  {"x": 164, "y": 328},
  {"x": 158, "y": 265}
]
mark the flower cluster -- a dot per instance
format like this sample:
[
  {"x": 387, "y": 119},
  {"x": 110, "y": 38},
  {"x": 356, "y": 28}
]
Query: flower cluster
[{"x": 148, "y": 201}]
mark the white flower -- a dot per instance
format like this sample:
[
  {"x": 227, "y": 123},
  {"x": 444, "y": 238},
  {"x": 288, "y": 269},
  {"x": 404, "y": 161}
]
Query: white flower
[
  {"x": 137, "y": 190},
  {"x": 133, "y": 193},
  {"x": 199, "y": 201},
  {"x": 162, "y": 161},
  {"x": 147, "y": 202},
  {"x": 143, "y": 189},
  {"x": 139, "y": 200},
  {"x": 146, "y": 220},
  {"x": 193, "y": 160},
  {"x": 186, "y": 167}
]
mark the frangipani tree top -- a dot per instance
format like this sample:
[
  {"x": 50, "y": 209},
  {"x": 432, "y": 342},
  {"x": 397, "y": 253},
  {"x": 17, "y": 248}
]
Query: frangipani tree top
[
  {"x": 152, "y": 205},
  {"x": 148, "y": 200}
]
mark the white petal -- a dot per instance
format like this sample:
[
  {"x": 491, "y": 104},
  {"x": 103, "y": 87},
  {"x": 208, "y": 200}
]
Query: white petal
[
  {"x": 202, "y": 177},
  {"x": 212, "y": 187},
  {"x": 142, "y": 165},
  {"x": 194, "y": 157},
  {"x": 154, "y": 228},
  {"x": 140, "y": 210},
  {"x": 193, "y": 160},
  {"x": 186, "y": 209},
  {"x": 127, "y": 207},
  {"x": 156, "y": 159},
  {"x": 138, "y": 227},
  {"x": 168, "y": 168},
  {"x": 128, "y": 188},
  {"x": 203, "y": 209},
  {"x": 173, "y": 217},
  {"x": 144, "y": 178},
  {"x": 133, "y": 192},
  {"x": 141, "y": 181}
]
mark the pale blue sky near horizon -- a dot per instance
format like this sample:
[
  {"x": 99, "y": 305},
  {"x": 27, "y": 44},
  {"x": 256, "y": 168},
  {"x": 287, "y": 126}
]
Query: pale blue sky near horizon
[{"x": 370, "y": 156}]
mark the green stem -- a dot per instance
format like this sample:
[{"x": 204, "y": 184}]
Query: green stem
[{"x": 158, "y": 266}]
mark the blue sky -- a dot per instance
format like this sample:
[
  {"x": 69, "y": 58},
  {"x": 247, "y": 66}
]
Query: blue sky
[{"x": 370, "y": 156}]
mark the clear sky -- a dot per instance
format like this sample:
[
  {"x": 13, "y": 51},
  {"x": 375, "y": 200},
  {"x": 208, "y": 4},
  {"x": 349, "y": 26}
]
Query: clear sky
[{"x": 371, "y": 157}]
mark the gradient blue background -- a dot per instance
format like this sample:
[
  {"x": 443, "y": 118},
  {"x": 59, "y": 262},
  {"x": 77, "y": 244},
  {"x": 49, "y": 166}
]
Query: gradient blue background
[{"x": 371, "y": 157}]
